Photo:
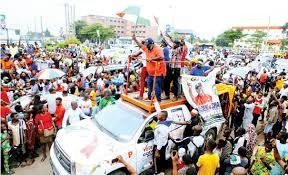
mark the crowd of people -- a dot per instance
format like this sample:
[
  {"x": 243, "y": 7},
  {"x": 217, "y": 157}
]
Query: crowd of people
[{"x": 260, "y": 102}]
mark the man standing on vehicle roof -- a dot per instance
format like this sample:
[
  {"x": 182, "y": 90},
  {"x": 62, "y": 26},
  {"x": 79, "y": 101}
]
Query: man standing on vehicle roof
[
  {"x": 160, "y": 141},
  {"x": 155, "y": 66}
]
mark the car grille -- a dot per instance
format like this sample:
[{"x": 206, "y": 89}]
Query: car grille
[{"x": 62, "y": 157}]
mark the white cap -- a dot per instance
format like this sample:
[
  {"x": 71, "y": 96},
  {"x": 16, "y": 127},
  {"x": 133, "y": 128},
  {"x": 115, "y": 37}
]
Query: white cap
[{"x": 194, "y": 111}]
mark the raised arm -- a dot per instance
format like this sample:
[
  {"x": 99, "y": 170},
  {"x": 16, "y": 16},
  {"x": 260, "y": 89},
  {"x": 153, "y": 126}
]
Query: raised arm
[{"x": 137, "y": 41}]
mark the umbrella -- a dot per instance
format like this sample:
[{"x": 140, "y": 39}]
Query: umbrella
[
  {"x": 92, "y": 70},
  {"x": 49, "y": 74}
]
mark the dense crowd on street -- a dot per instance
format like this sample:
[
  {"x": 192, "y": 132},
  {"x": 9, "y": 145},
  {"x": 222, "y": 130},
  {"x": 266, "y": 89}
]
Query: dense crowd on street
[{"x": 35, "y": 107}]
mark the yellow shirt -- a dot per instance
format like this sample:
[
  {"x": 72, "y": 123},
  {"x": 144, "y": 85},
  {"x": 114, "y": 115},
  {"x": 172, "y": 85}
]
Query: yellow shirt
[
  {"x": 93, "y": 96},
  {"x": 279, "y": 84},
  {"x": 208, "y": 163}
]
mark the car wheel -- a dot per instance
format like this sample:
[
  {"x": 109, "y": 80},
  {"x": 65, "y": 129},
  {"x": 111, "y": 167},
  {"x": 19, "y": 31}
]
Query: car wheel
[
  {"x": 118, "y": 172},
  {"x": 211, "y": 134}
]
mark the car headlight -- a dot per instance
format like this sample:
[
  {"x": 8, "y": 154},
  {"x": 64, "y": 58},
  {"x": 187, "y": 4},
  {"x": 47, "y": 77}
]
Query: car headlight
[{"x": 73, "y": 168}]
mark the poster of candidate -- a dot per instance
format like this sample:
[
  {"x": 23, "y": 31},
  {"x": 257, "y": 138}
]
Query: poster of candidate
[{"x": 201, "y": 94}]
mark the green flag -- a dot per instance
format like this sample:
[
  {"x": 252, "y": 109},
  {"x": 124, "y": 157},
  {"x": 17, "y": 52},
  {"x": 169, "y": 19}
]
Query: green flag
[
  {"x": 143, "y": 21},
  {"x": 132, "y": 10},
  {"x": 17, "y": 32}
]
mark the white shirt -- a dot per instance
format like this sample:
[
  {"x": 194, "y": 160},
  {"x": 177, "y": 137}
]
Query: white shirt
[
  {"x": 198, "y": 141},
  {"x": 73, "y": 116},
  {"x": 65, "y": 86},
  {"x": 248, "y": 114},
  {"x": 85, "y": 106},
  {"x": 161, "y": 135},
  {"x": 66, "y": 102},
  {"x": 15, "y": 132},
  {"x": 238, "y": 144},
  {"x": 51, "y": 101},
  {"x": 100, "y": 83},
  {"x": 284, "y": 92}
]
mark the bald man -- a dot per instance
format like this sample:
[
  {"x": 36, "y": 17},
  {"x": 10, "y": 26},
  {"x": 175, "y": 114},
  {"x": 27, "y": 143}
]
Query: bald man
[
  {"x": 239, "y": 171},
  {"x": 73, "y": 115}
]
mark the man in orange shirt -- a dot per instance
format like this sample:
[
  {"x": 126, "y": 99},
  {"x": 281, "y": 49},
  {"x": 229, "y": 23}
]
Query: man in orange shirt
[
  {"x": 7, "y": 66},
  {"x": 201, "y": 97},
  {"x": 156, "y": 67},
  {"x": 59, "y": 113}
]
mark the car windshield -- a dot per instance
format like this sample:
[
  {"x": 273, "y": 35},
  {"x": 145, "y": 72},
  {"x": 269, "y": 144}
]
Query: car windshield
[{"x": 119, "y": 121}]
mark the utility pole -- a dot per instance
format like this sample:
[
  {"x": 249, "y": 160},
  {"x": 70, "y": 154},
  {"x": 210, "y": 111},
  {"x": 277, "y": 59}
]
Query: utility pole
[
  {"x": 66, "y": 20},
  {"x": 41, "y": 30}
]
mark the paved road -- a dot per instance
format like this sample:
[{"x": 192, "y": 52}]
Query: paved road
[{"x": 44, "y": 168}]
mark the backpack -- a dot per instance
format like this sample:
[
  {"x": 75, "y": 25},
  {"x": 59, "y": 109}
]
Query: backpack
[{"x": 198, "y": 152}]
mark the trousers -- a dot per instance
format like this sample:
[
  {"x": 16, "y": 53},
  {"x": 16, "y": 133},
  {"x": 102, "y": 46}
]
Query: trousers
[
  {"x": 143, "y": 76},
  {"x": 157, "y": 88}
]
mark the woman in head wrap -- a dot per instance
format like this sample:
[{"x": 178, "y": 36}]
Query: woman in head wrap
[{"x": 251, "y": 138}]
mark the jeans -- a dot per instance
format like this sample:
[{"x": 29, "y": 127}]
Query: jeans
[{"x": 157, "y": 88}]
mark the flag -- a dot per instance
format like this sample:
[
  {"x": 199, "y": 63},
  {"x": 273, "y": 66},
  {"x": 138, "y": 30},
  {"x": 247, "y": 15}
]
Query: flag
[
  {"x": 156, "y": 20},
  {"x": 17, "y": 32},
  {"x": 132, "y": 10},
  {"x": 120, "y": 14},
  {"x": 143, "y": 21}
]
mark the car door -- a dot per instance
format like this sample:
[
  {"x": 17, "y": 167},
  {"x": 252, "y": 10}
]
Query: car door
[
  {"x": 177, "y": 114},
  {"x": 145, "y": 144}
]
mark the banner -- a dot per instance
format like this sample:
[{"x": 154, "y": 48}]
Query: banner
[{"x": 200, "y": 93}]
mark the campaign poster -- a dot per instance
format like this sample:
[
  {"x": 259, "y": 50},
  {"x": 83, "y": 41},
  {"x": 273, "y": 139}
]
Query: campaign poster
[{"x": 200, "y": 93}]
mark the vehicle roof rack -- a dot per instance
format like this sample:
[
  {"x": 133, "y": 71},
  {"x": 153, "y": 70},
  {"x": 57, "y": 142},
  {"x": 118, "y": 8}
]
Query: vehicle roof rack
[{"x": 147, "y": 105}]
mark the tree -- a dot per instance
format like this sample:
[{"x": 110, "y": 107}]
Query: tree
[
  {"x": 78, "y": 26},
  {"x": 285, "y": 29},
  {"x": 221, "y": 41},
  {"x": 257, "y": 39},
  {"x": 284, "y": 44},
  {"x": 47, "y": 33},
  {"x": 90, "y": 32},
  {"x": 71, "y": 41},
  {"x": 228, "y": 37},
  {"x": 232, "y": 34}
]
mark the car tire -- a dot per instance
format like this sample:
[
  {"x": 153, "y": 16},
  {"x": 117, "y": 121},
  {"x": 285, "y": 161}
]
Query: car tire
[
  {"x": 118, "y": 172},
  {"x": 211, "y": 134}
]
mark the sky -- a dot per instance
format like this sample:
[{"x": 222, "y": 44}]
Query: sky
[{"x": 207, "y": 18}]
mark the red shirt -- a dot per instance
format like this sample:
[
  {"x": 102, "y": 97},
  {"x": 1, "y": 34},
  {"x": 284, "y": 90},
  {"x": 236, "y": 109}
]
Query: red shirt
[
  {"x": 4, "y": 96},
  {"x": 184, "y": 56},
  {"x": 5, "y": 110},
  {"x": 60, "y": 89},
  {"x": 44, "y": 121},
  {"x": 257, "y": 109},
  {"x": 263, "y": 78},
  {"x": 59, "y": 112}
]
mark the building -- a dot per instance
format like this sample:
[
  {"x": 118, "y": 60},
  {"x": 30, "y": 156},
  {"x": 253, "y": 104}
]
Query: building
[
  {"x": 123, "y": 27},
  {"x": 274, "y": 33}
]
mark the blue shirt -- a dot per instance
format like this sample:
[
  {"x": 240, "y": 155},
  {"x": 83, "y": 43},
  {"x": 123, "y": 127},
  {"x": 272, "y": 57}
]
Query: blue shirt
[
  {"x": 166, "y": 54},
  {"x": 199, "y": 72}
]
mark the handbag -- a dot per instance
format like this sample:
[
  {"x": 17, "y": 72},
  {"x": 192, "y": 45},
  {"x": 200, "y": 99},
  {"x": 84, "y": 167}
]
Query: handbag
[{"x": 49, "y": 131}]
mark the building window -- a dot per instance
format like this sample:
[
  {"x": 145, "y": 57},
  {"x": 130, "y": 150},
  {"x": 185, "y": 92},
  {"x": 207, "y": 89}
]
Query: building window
[
  {"x": 122, "y": 31},
  {"x": 114, "y": 20}
]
